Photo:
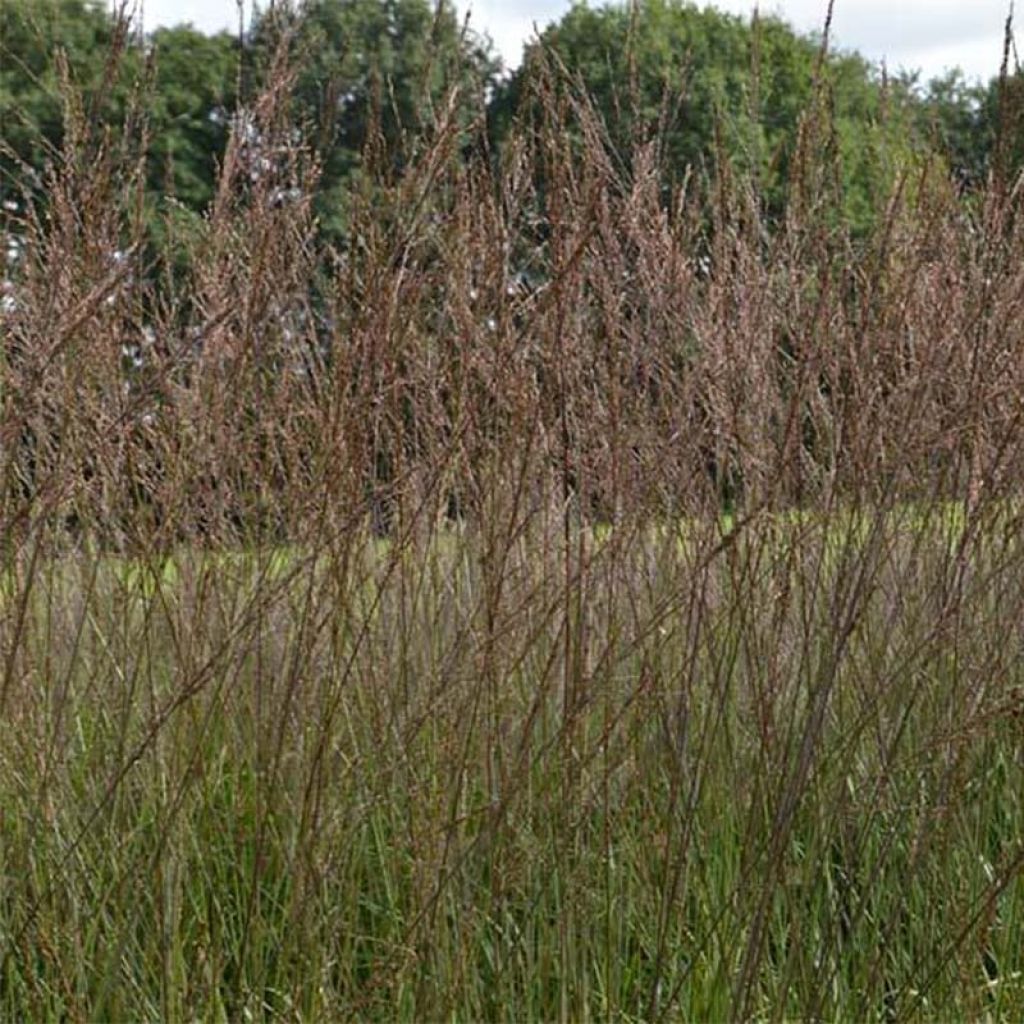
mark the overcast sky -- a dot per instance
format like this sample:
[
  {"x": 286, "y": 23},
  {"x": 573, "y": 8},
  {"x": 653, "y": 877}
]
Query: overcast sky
[{"x": 930, "y": 35}]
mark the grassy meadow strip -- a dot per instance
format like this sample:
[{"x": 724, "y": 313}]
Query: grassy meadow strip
[{"x": 332, "y": 788}]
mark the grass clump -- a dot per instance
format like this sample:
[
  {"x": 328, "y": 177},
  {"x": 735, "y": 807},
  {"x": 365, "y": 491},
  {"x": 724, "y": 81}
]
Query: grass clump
[{"x": 392, "y": 639}]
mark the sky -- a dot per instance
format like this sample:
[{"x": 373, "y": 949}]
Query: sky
[{"x": 926, "y": 35}]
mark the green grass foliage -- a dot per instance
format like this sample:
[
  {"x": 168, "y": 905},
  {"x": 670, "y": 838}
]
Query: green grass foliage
[{"x": 754, "y": 773}]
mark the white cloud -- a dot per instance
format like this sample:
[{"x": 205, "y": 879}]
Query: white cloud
[
  {"x": 928, "y": 34},
  {"x": 205, "y": 15}
]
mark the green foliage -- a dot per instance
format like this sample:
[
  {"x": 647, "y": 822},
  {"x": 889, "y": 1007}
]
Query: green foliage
[
  {"x": 1003, "y": 116},
  {"x": 958, "y": 115},
  {"x": 32, "y": 33},
  {"x": 374, "y": 75},
  {"x": 336, "y": 792},
  {"x": 194, "y": 93},
  {"x": 728, "y": 88},
  {"x": 189, "y": 91},
  {"x": 629, "y": 67},
  {"x": 977, "y": 127}
]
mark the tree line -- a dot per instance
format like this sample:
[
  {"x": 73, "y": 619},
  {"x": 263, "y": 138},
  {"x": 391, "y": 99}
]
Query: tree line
[{"x": 369, "y": 75}]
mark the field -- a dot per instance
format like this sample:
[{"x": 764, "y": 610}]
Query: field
[{"x": 567, "y": 603}]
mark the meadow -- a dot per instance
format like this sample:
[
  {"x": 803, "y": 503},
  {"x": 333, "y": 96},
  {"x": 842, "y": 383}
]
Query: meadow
[{"x": 569, "y": 601}]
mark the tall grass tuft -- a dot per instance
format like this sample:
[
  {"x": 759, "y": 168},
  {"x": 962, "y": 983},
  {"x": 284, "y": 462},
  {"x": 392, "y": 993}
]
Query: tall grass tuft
[{"x": 567, "y": 601}]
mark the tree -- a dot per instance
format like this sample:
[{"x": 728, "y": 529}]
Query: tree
[
  {"x": 189, "y": 90},
  {"x": 730, "y": 84},
  {"x": 32, "y": 32},
  {"x": 1002, "y": 120},
  {"x": 373, "y": 71},
  {"x": 194, "y": 93}
]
